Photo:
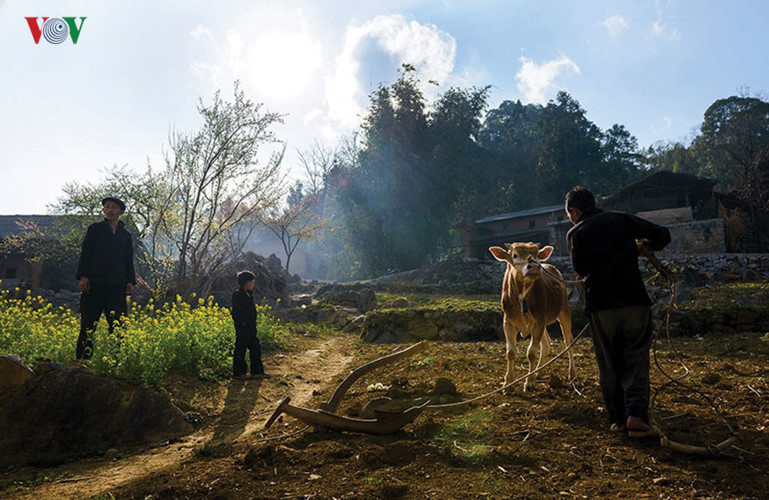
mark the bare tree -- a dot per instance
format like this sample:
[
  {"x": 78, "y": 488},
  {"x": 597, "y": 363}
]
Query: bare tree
[
  {"x": 195, "y": 215},
  {"x": 292, "y": 224},
  {"x": 317, "y": 161},
  {"x": 220, "y": 183}
]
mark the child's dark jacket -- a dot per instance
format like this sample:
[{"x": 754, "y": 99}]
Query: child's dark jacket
[{"x": 243, "y": 311}]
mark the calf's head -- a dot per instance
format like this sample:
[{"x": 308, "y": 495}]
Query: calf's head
[{"x": 524, "y": 258}]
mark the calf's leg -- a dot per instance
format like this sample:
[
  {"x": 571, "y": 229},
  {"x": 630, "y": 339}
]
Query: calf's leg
[
  {"x": 510, "y": 333},
  {"x": 531, "y": 353},
  {"x": 564, "y": 320},
  {"x": 544, "y": 350}
]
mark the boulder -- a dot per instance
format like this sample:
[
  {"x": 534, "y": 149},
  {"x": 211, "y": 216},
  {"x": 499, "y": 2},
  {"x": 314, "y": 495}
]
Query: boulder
[
  {"x": 13, "y": 373},
  {"x": 271, "y": 279},
  {"x": 444, "y": 386},
  {"x": 401, "y": 303},
  {"x": 356, "y": 325},
  {"x": 70, "y": 412},
  {"x": 356, "y": 295}
]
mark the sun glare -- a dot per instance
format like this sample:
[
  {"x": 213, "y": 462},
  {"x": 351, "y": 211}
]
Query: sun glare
[{"x": 282, "y": 65}]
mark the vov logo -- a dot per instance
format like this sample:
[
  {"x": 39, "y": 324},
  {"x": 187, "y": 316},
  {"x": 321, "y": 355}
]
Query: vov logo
[{"x": 55, "y": 30}]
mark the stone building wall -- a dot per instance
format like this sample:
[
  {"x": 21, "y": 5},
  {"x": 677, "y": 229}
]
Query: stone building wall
[
  {"x": 719, "y": 267},
  {"x": 699, "y": 236}
]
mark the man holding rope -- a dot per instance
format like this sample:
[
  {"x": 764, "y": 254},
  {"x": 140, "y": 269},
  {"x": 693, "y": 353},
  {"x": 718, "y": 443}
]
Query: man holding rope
[{"x": 604, "y": 247}]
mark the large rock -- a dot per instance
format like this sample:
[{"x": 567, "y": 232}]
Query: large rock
[
  {"x": 357, "y": 295},
  {"x": 271, "y": 279},
  {"x": 71, "y": 412},
  {"x": 13, "y": 373}
]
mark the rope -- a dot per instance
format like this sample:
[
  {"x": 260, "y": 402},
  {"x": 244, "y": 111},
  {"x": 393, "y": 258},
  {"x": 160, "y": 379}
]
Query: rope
[
  {"x": 559, "y": 278},
  {"x": 488, "y": 394},
  {"x": 676, "y": 380},
  {"x": 284, "y": 436}
]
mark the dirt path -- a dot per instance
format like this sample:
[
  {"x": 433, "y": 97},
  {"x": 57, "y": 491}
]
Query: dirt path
[{"x": 244, "y": 405}]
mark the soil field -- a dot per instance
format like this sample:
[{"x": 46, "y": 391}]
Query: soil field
[{"x": 553, "y": 442}]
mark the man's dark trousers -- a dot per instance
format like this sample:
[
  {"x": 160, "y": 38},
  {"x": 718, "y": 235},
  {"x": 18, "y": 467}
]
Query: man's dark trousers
[
  {"x": 245, "y": 338},
  {"x": 622, "y": 338},
  {"x": 103, "y": 298}
]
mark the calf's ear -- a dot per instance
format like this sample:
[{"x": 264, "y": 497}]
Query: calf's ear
[
  {"x": 499, "y": 253},
  {"x": 545, "y": 253}
]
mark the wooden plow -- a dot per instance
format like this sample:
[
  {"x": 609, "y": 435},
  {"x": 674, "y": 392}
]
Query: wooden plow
[{"x": 386, "y": 422}]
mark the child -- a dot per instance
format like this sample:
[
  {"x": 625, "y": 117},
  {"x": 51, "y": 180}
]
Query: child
[{"x": 244, "y": 316}]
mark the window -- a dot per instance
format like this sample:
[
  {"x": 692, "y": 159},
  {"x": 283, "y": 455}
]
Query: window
[{"x": 532, "y": 223}]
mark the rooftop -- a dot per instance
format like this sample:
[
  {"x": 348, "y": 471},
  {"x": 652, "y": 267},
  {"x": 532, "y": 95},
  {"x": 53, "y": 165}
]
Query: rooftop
[{"x": 521, "y": 213}]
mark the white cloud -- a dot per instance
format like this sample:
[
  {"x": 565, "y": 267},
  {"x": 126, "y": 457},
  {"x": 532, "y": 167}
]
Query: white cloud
[
  {"x": 615, "y": 25},
  {"x": 660, "y": 27},
  {"x": 537, "y": 81},
  {"x": 312, "y": 115},
  {"x": 277, "y": 64},
  {"x": 201, "y": 31},
  {"x": 430, "y": 50}
]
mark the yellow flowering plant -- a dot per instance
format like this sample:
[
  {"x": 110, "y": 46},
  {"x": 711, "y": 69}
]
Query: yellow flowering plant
[{"x": 149, "y": 342}]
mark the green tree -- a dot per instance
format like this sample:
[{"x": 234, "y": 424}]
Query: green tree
[
  {"x": 570, "y": 152},
  {"x": 461, "y": 173},
  {"x": 382, "y": 196},
  {"x": 512, "y": 136},
  {"x": 621, "y": 160},
  {"x": 735, "y": 140},
  {"x": 735, "y": 144},
  {"x": 673, "y": 157}
]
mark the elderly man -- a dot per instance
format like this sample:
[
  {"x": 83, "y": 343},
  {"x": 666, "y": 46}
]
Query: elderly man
[
  {"x": 106, "y": 273},
  {"x": 604, "y": 250}
]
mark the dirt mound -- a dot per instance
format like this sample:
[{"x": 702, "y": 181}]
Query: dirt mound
[
  {"x": 413, "y": 325},
  {"x": 454, "y": 277},
  {"x": 68, "y": 412}
]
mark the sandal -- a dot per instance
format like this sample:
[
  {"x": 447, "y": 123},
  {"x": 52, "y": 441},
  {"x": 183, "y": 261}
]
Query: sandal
[{"x": 652, "y": 431}]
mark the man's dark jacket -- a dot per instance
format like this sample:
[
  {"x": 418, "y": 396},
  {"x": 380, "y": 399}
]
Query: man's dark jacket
[
  {"x": 603, "y": 250},
  {"x": 243, "y": 311},
  {"x": 107, "y": 257}
]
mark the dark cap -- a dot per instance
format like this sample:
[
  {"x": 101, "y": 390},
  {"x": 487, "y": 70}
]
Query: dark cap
[{"x": 120, "y": 202}]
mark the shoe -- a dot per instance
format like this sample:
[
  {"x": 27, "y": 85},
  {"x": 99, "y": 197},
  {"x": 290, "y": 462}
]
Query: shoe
[
  {"x": 261, "y": 375},
  {"x": 619, "y": 428}
]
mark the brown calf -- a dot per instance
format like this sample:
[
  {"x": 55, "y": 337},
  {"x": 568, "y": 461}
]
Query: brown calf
[{"x": 531, "y": 300}]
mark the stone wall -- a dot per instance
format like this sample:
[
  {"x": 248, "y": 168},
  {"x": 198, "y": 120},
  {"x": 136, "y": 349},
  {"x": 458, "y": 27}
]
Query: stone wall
[
  {"x": 699, "y": 236},
  {"x": 715, "y": 267}
]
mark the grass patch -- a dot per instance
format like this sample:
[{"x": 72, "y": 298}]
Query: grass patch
[
  {"x": 467, "y": 438},
  {"x": 724, "y": 297},
  {"x": 423, "y": 363},
  {"x": 442, "y": 302},
  {"x": 210, "y": 450}
]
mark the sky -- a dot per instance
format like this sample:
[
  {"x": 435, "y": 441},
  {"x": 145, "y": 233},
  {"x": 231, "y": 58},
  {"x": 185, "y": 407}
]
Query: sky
[{"x": 70, "y": 112}]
